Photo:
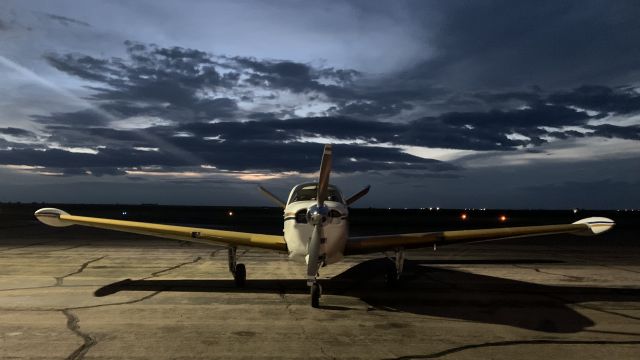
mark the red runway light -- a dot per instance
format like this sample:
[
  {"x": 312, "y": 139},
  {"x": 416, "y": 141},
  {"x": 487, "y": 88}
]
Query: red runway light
[
  {"x": 463, "y": 216},
  {"x": 503, "y": 218}
]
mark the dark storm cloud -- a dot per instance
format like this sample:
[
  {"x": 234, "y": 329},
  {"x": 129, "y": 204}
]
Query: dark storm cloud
[
  {"x": 66, "y": 21},
  {"x": 549, "y": 43},
  {"x": 235, "y": 146},
  {"x": 599, "y": 98},
  {"x": 173, "y": 79},
  {"x": 188, "y": 88},
  {"x": 17, "y": 132},
  {"x": 235, "y": 157},
  {"x": 469, "y": 131},
  {"x": 57, "y": 158},
  {"x": 296, "y": 77},
  {"x": 153, "y": 80},
  {"x": 612, "y": 131},
  {"x": 81, "y": 118}
]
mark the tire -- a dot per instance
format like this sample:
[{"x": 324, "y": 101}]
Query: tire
[
  {"x": 391, "y": 275},
  {"x": 240, "y": 276},
  {"x": 315, "y": 295}
]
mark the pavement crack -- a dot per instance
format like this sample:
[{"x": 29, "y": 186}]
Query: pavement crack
[
  {"x": 619, "y": 268},
  {"x": 157, "y": 273},
  {"x": 513, "y": 343},
  {"x": 324, "y": 352},
  {"x": 63, "y": 249},
  {"x": 73, "y": 325},
  {"x": 60, "y": 279},
  {"x": 571, "y": 277},
  {"x": 29, "y": 245},
  {"x": 146, "y": 297}
]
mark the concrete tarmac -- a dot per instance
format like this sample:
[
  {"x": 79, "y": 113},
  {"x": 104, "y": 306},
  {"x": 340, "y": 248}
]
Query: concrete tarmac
[{"x": 156, "y": 299}]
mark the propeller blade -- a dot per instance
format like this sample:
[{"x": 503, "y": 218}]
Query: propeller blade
[
  {"x": 314, "y": 252},
  {"x": 272, "y": 197},
  {"x": 325, "y": 170},
  {"x": 358, "y": 195}
]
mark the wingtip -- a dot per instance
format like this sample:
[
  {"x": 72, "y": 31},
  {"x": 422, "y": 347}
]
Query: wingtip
[
  {"x": 51, "y": 217},
  {"x": 597, "y": 224}
]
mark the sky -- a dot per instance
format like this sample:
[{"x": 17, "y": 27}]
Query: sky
[{"x": 456, "y": 104}]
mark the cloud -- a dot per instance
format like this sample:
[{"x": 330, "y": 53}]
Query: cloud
[
  {"x": 500, "y": 44},
  {"x": 599, "y": 98},
  {"x": 66, "y": 21},
  {"x": 197, "y": 109},
  {"x": 16, "y": 132},
  {"x": 613, "y": 131}
]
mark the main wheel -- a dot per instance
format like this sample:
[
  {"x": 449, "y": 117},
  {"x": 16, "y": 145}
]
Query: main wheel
[
  {"x": 316, "y": 291},
  {"x": 391, "y": 275},
  {"x": 240, "y": 276}
]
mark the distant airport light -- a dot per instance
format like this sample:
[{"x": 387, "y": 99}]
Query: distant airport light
[
  {"x": 124, "y": 213},
  {"x": 463, "y": 216},
  {"x": 503, "y": 218},
  {"x": 230, "y": 213},
  {"x": 575, "y": 211}
]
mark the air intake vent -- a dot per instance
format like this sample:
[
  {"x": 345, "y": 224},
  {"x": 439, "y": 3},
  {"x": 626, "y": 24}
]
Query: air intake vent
[{"x": 301, "y": 217}]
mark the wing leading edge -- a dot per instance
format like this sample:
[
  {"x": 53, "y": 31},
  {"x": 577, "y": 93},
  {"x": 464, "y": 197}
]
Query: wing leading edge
[
  {"x": 59, "y": 218},
  {"x": 370, "y": 244}
]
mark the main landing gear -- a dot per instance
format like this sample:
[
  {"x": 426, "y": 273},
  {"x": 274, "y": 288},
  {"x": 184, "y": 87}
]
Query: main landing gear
[
  {"x": 394, "y": 271},
  {"x": 238, "y": 270}
]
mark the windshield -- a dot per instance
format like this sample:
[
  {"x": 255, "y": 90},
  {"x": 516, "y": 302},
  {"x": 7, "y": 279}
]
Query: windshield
[{"x": 309, "y": 192}]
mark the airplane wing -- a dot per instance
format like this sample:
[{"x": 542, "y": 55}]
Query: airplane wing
[
  {"x": 371, "y": 244},
  {"x": 59, "y": 218}
]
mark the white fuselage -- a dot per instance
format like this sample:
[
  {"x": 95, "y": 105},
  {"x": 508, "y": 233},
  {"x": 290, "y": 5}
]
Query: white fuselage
[{"x": 297, "y": 232}]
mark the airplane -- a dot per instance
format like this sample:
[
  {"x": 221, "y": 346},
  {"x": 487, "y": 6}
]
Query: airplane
[{"x": 316, "y": 221}]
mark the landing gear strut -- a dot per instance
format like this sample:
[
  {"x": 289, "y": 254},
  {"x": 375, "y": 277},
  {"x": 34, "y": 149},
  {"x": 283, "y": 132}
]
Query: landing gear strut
[
  {"x": 238, "y": 270},
  {"x": 394, "y": 271}
]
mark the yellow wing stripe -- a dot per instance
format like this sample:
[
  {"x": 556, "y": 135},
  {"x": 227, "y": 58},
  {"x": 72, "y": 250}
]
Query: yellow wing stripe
[
  {"x": 198, "y": 235},
  {"x": 369, "y": 244}
]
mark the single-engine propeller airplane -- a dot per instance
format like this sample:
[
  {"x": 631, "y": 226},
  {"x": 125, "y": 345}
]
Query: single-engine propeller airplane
[{"x": 316, "y": 231}]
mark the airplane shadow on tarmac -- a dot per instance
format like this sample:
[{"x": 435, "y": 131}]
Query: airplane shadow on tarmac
[{"x": 433, "y": 291}]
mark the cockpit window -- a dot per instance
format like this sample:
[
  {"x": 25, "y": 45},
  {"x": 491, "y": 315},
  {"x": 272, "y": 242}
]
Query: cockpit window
[{"x": 309, "y": 192}]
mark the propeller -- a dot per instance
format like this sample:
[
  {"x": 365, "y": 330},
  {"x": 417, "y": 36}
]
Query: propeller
[{"x": 317, "y": 215}]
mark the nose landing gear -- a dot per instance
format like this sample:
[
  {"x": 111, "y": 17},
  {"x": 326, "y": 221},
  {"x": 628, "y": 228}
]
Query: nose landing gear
[{"x": 316, "y": 292}]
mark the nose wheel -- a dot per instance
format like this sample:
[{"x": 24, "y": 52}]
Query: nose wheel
[
  {"x": 238, "y": 271},
  {"x": 316, "y": 292}
]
